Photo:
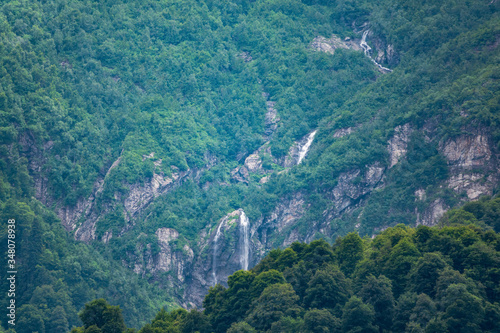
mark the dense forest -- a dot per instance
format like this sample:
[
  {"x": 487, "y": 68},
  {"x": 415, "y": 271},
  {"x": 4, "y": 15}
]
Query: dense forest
[
  {"x": 102, "y": 99},
  {"x": 424, "y": 279}
]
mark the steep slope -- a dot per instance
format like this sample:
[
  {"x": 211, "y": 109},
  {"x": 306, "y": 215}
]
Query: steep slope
[
  {"x": 150, "y": 128},
  {"x": 432, "y": 279}
]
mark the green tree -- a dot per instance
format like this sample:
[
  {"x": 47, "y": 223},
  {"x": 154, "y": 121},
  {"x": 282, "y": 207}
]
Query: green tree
[
  {"x": 195, "y": 321},
  {"x": 378, "y": 293},
  {"x": 424, "y": 275},
  {"x": 265, "y": 279},
  {"x": 276, "y": 301},
  {"x": 403, "y": 311},
  {"x": 424, "y": 311},
  {"x": 30, "y": 320},
  {"x": 464, "y": 312},
  {"x": 321, "y": 321},
  {"x": 436, "y": 325},
  {"x": 349, "y": 251},
  {"x": 58, "y": 322},
  {"x": 358, "y": 317},
  {"x": 100, "y": 314},
  {"x": 241, "y": 327},
  {"x": 287, "y": 325},
  {"x": 327, "y": 288},
  {"x": 399, "y": 263}
]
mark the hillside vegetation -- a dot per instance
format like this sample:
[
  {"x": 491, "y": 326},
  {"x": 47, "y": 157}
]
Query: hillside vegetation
[
  {"x": 406, "y": 279},
  {"x": 90, "y": 89}
]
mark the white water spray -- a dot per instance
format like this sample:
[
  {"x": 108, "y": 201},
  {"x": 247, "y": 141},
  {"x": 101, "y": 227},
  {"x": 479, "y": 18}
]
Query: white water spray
[
  {"x": 214, "y": 255},
  {"x": 244, "y": 233},
  {"x": 367, "y": 49},
  {"x": 305, "y": 148}
]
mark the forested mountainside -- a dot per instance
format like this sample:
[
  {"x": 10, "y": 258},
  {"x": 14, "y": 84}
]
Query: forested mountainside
[
  {"x": 149, "y": 149},
  {"x": 424, "y": 279}
]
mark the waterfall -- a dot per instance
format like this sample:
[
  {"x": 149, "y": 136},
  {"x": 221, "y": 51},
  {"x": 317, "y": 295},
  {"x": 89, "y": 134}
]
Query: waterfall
[
  {"x": 364, "y": 45},
  {"x": 305, "y": 148},
  {"x": 244, "y": 233},
  {"x": 214, "y": 255},
  {"x": 367, "y": 49}
]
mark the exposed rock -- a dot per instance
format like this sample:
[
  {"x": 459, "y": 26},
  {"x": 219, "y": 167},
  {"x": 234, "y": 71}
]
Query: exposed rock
[
  {"x": 388, "y": 55},
  {"x": 398, "y": 144},
  {"x": 169, "y": 259},
  {"x": 420, "y": 194},
  {"x": 282, "y": 218},
  {"x": 474, "y": 184},
  {"x": 473, "y": 165},
  {"x": 140, "y": 196},
  {"x": 107, "y": 236},
  {"x": 329, "y": 45},
  {"x": 271, "y": 120},
  {"x": 353, "y": 186},
  {"x": 467, "y": 151},
  {"x": 264, "y": 179},
  {"x": 240, "y": 174},
  {"x": 223, "y": 245},
  {"x": 36, "y": 158},
  {"x": 150, "y": 156},
  {"x": 245, "y": 56},
  {"x": 340, "y": 133},
  {"x": 253, "y": 162},
  {"x": 432, "y": 214},
  {"x": 70, "y": 215}
]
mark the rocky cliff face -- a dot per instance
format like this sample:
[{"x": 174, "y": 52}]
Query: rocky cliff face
[
  {"x": 137, "y": 198},
  {"x": 329, "y": 45},
  {"x": 167, "y": 260},
  {"x": 381, "y": 54},
  {"x": 473, "y": 165},
  {"x": 221, "y": 252},
  {"x": 191, "y": 268},
  {"x": 397, "y": 145},
  {"x": 353, "y": 186}
]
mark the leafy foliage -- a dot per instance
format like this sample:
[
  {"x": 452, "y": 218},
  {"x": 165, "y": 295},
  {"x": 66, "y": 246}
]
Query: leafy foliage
[{"x": 435, "y": 290}]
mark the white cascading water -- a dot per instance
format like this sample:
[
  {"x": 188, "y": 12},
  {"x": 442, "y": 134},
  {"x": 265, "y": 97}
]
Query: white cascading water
[
  {"x": 244, "y": 233},
  {"x": 366, "y": 48},
  {"x": 305, "y": 148},
  {"x": 214, "y": 256}
]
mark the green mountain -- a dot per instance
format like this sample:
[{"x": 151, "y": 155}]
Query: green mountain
[
  {"x": 149, "y": 149},
  {"x": 404, "y": 280}
]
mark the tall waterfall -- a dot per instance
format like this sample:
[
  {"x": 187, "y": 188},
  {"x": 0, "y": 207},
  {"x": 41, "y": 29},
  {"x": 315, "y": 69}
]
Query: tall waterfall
[
  {"x": 305, "y": 148},
  {"x": 214, "y": 255},
  {"x": 244, "y": 233},
  {"x": 366, "y": 48}
]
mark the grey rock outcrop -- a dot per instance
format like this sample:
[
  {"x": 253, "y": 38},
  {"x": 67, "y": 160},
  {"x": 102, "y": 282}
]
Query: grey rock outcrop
[
  {"x": 398, "y": 144},
  {"x": 171, "y": 258},
  {"x": 340, "y": 133},
  {"x": 472, "y": 163},
  {"x": 141, "y": 195},
  {"x": 432, "y": 214},
  {"x": 271, "y": 120},
  {"x": 353, "y": 186},
  {"x": 329, "y": 45},
  {"x": 281, "y": 222}
]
